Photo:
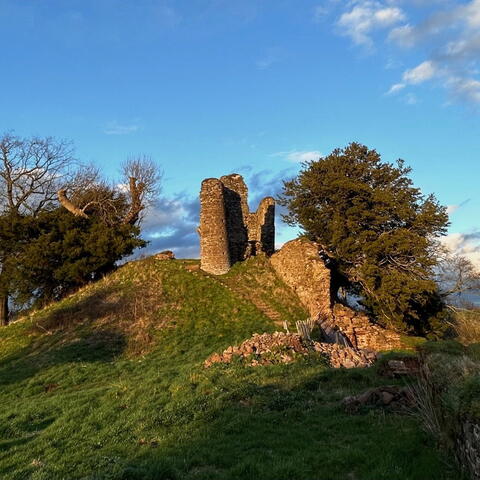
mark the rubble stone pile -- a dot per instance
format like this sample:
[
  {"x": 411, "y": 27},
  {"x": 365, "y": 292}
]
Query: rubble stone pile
[
  {"x": 165, "y": 255},
  {"x": 304, "y": 266},
  {"x": 386, "y": 396},
  {"x": 362, "y": 333},
  {"x": 281, "y": 347}
]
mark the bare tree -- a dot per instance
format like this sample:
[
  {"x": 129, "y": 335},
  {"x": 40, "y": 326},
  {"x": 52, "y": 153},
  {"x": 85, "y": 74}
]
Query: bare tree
[
  {"x": 456, "y": 274},
  {"x": 139, "y": 185},
  {"x": 143, "y": 177},
  {"x": 31, "y": 171},
  {"x": 89, "y": 193}
]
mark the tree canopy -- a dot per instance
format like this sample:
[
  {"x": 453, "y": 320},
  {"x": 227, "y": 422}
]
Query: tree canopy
[
  {"x": 381, "y": 229},
  {"x": 57, "y": 252},
  {"x": 62, "y": 224}
]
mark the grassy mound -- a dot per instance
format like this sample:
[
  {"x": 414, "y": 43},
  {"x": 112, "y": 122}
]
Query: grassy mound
[{"x": 109, "y": 384}]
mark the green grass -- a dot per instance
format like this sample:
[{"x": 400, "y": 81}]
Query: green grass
[{"x": 109, "y": 384}]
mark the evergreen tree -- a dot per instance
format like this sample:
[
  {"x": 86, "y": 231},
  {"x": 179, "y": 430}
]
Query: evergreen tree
[
  {"x": 31, "y": 171},
  {"x": 63, "y": 252},
  {"x": 62, "y": 225},
  {"x": 381, "y": 230}
]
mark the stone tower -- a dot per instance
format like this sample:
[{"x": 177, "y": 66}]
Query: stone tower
[{"x": 229, "y": 233}]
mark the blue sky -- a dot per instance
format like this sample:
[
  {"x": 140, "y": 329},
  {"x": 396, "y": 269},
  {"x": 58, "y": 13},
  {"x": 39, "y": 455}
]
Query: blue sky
[{"x": 208, "y": 87}]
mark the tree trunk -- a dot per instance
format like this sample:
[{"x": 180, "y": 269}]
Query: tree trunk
[{"x": 3, "y": 309}]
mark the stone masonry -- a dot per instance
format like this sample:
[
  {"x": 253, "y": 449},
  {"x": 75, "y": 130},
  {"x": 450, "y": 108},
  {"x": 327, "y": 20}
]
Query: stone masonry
[
  {"x": 229, "y": 232},
  {"x": 300, "y": 266},
  {"x": 303, "y": 266}
]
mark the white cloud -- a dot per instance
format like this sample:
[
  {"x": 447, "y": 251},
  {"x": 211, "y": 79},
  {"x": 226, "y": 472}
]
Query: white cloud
[
  {"x": 115, "y": 128},
  {"x": 396, "y": 88},
  {"x": 467, "y": 89},
  {"x": 299, "y": 156},
  {"x": 451, "y": 209},
  {"x": 305, "y": 156},
  {"x": 466, "y": 244},
  {"x": 421, "y": 73},
  {"x": 448, "y": 31},
  {"x": 402, "y": 36},
  {"x": 367, "y": 16},
  {"x": 471, "y": 14}
]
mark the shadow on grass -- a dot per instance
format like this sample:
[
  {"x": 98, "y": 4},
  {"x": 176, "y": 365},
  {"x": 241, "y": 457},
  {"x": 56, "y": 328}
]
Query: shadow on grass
[
  {"x": 30, "y": 430},
  {"x": 102, "y": 345},
  {"x": 303, "y": 433},
  {"x": 67, "y": 333},
  {"x": 100, "y": 304}
]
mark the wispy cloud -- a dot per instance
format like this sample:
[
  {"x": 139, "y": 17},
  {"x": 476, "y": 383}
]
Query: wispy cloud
[
  {"x": 270, "y": 57},
  {"x": 299, "y": 156},
  {"x": 362, "y": 18},
  {"x": 396, "y": 88},
  {"x": 320, "y": 12},
  {"x": 451, "y": 209},
  {"x": 448, "y": 32},
  {"x": 171, "y": 224},
  {"x": 453, "y": 36},
  {"x": 411, "y": 99},
  {"x": 421, "y": 73},
  {"x": 466, "y": 244},
  {"x": 115, "y": 128}
]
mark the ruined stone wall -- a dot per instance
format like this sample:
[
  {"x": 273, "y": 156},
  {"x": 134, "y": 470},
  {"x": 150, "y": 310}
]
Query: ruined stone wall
[
  {"x": 261, "y": 228},
  {"x": 301, "y": 267},
  {"x": 229, "y": 233},
  {"x": 362, "y": 333},
  {"x": 214, "y": 249},
  {"x": 236, "y": 208}
]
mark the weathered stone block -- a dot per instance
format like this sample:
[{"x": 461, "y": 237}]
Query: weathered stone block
[
  {"x": 299, "y": 265},
  {"x": 214, "y": 248},
  {"x": 229, "y": 232}
]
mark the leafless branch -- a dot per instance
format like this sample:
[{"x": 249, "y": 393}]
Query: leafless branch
[
  {"x": 143, "y": 177},
  {"x": 32, "y": 170}
]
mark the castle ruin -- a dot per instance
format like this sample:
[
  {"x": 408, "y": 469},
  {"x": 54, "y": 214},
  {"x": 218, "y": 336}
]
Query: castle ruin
[{"x": 229, "y": 232}]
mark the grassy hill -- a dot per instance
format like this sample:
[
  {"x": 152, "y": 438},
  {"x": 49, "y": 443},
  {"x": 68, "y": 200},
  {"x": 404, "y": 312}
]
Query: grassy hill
[{"x": 109, "y": 384}]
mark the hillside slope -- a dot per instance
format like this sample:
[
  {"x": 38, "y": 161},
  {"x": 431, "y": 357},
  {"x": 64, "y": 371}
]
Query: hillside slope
[{"x": 109, "y": 384}]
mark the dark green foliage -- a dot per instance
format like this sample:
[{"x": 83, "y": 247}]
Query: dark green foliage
[
  {"x": 380, "y": 229},
  {"x": 57, "y": 252}
]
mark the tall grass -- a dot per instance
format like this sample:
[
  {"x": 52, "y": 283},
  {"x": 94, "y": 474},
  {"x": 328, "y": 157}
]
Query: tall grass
[
  {"x": 444, "y": 397},
  {"x": 466, "y": 323}
]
